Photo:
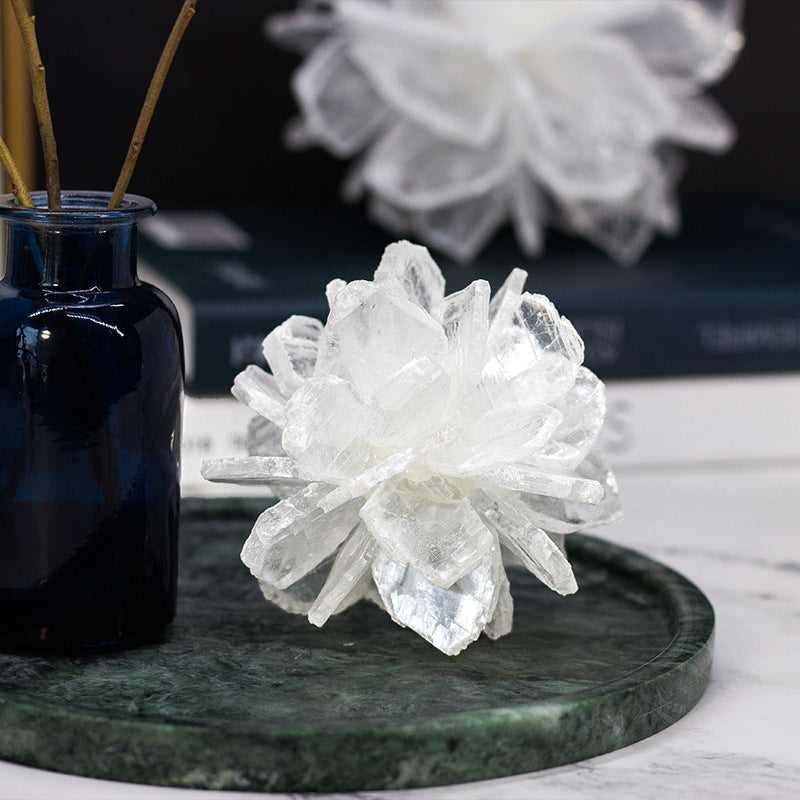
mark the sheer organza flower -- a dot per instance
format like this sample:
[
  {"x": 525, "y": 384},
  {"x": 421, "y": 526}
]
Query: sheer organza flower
[
  {"x": 420, "y": 442},
  {"x": 471, "y": 114}
]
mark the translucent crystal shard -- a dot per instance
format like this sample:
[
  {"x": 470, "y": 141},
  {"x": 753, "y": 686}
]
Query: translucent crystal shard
[
  {"x": 299, "y": 597},
  {"x": 534, "y": 549},
  {"x": 583, "y": 408},
  {"x": 534, "y": 356},
  {"x": 291, "y": 538},
  {"x": 465, "y": 320},
  {"x": 259, "y": 390},
  {"x": 409, "y": 269},
  {"x": 372, "y": 334},
  {"x": 324, "y": 431},
  {"x": 448, "y": 618},
  {"x": 497, "y": 437},
  {"x": 291, "y": 351},
  {"x": 430, "y": 525},
  {"x": 410, "y": 404},
  {"x": 253, "y": 470},
  {"x": 349, "y": 578}
]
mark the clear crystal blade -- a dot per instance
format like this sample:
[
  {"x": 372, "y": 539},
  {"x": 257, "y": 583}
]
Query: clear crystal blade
[
  {"x": 584, "y": 409},
  {"x": 429, "y": 525},
  {"x": 465, "y": 319},
  {"x": 531, "y": 545},
  {"x": 409, "y": 269},
  {"x": 351, "y": 572},
  {"x": 291, "y": 351},
  {"x": 252, "y": 470},
  {"x": 259, "y": 390},
  {"x": 559, "y": 515},
  {"x": 325, "y": 420},
  {"x": 503, "y": 616},
  {"x": 298, "y": 598},
  {"x": 522, "y": 478},
  {"x": 372, "y": 334},
  {"x": 496, "y": 437},
  {"x": 449, "y": 619},
  {"x": 292, "y": 537},
  {"x": 506, "y": 299},
  {"x": 534, "y": 356},
  {"x": 411, "y": 404}
]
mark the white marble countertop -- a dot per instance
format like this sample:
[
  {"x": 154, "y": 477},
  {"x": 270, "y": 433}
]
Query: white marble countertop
[{"x": 735, "y": 532}]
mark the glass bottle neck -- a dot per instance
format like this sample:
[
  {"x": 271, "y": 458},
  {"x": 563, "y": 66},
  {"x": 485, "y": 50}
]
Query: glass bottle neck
[{"x": 71, "y": 259}]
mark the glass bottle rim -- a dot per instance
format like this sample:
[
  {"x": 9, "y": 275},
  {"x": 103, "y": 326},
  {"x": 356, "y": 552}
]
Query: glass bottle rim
[{"x": 80, "y": 209}]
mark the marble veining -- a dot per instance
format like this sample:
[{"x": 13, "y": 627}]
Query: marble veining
[{"x": 241, "y": 695}]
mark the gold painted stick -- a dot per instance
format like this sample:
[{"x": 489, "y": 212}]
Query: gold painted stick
[
  {"x": 15, "y": 178},
  {"x": 40, "y": 101}
]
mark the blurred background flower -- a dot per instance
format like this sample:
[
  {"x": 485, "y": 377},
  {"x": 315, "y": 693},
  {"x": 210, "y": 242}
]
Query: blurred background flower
[{"x": 468, "y": 114}]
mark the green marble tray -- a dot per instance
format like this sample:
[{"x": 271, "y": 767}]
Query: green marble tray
[{"x": 240, "y": 695}]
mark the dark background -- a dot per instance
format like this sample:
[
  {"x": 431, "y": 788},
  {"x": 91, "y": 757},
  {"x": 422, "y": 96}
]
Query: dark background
[{"x": 215, "y": 138}]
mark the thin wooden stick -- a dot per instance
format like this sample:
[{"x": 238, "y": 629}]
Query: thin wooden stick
[
  {"x": 150, "y": 100},
  {"x": 18, "y": 186},
  {"x": 36, "y": 69}
]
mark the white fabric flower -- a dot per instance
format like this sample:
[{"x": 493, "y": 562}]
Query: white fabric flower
[
  {"x": 419, "y": 442},
  {"x": 470, "y": 114}
]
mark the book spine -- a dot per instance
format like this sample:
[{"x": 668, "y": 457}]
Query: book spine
[
  {"x": 650, "y": 424},
  {"x": 711, "y": 336}
]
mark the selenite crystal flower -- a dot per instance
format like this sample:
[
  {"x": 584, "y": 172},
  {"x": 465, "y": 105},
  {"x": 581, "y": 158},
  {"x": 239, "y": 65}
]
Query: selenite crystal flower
[
  {"x": 419, "y": 442},
  {"x": 471, "y": 114}
]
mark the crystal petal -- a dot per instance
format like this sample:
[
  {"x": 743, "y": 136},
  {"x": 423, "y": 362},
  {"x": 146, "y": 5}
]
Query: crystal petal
[
  {"x": 298, "y": 598},
  {"x": 528, "y": 543},
  {"x": 465, "y": 319},
  {"x": 292, "y": 537},
  {"x": 291, "y": 351},
  {"x": 559, "y": 515},
  {"x": 449, "y": 619},
  {"x": 533, "y": 358},
  {"x": 583, "y": 409},
  {"x": 413, "y": 168},
  {"x": 522, "y": 478},
  {"x": 429, "y": 525},
  {"x": 259, "y": 390},
  {"x": 253, "y": 470},
  {"x": 371, "y": 334},
  {"x": 409, "y": 405},
  {"x": 325, "y": 418},
  {"x": 496, "y": 437},
  {"x": 349, "y": 575},
  {"x": 444, "y": 90},
  {"x": 409, "y": 270}
]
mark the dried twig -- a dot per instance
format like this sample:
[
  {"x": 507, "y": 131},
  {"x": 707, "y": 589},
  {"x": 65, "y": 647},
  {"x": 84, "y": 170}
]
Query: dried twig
[
  {"x": 150, "y": 100},
  {"x": 40, "y": 101},
  {"x": 14, "y": 176}
]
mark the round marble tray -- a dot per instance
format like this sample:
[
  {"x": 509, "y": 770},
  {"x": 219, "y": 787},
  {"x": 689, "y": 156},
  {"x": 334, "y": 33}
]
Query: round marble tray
[{"x": 240, "y": 695}]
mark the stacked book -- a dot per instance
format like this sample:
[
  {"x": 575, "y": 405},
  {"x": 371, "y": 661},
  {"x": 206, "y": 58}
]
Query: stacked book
[{"x": 672, "y": 336}]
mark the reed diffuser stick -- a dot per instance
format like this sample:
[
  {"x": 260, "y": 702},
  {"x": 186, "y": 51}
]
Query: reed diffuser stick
[
  {"x": 150, "y": 100},
  {"x": 40, "y": 102}
]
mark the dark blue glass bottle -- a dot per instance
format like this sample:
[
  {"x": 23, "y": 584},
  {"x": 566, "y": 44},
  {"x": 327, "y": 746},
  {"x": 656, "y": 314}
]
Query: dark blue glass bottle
[{"x": 91, "y": 391}]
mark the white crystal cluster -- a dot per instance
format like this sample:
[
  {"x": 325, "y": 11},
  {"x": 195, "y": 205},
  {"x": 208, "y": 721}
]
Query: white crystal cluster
[
  {"x": 418, "y": 442},
  {"x": 471, "y": 113}
]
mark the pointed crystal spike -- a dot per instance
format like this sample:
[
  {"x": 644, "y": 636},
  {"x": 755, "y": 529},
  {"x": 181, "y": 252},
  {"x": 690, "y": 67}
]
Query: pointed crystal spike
[
  {"x": 292, "y": 537},
  {"x": 449, "y": 619},
  {"x": 429, "y": 525},
  {"x": 409, "y": 268},
  {"x": 348, "y": 579}
]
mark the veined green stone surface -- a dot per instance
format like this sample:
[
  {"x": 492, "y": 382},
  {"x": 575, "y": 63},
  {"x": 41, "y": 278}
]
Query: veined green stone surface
[{"x": 240, "y": 695}]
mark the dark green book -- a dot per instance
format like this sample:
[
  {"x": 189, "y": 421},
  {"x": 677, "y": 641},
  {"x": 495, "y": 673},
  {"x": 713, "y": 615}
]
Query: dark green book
[{"x": 721, "y": 297}]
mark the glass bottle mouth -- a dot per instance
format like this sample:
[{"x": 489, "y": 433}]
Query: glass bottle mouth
[{"x": 79, "y": 210}]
